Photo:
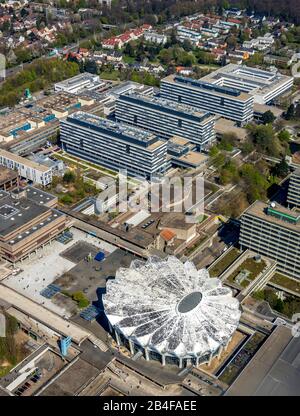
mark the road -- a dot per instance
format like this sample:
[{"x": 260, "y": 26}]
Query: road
[{"x": 14, "y": 70}]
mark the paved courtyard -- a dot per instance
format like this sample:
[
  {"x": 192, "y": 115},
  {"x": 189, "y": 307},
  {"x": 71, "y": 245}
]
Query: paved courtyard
[{"x": 46, "y": 266}]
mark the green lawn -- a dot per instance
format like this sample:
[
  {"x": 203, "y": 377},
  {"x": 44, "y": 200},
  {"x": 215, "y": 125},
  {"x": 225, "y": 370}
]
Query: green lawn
[
  {"x": 128, "y": 59},
  {"x": 226, "y": 261},
  {"x": 194, "y": 247},
  {"x": 112, "y": 76},
  {"x": 286, "y": 282},
  {"x": 252, "y": 266}
]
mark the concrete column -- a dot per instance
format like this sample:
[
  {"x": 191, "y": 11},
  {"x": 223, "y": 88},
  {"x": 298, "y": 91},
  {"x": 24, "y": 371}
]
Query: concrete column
[
  {"x": 197, "y": 361},
  {"x": 180, "y": 363},
  {"x": 110, "y": 327},
  {"x": 117, "y": 338},
  {"x": 146, "y": 354},
  {"x": 163, "y": 359},
  {"x": 226, "y": 346},
  {"x": 221, "y": 349},
  {"x": 131, "y": 346},
  {"x": 210, "y": 358}
]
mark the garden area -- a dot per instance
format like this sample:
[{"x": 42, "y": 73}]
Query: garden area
[
  {"x": 191, "y": 249},
  {"x": 225, "y": 262},
  {"x": 12, "y": 349},
  {"x": 78, "y": 297},
  {"x": 286, "y": 282},
  {"x": 280, "y": 302},
  {"x": 72, "y": 188},
  {"x": 242, "y": 358},
  {"x": 250, "y": 268}
]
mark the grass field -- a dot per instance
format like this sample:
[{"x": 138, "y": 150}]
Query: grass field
[
  {"x": 225, "y": 262},
  {"x": 252, "y": 266},
  {"x": 286, "y": 282}
]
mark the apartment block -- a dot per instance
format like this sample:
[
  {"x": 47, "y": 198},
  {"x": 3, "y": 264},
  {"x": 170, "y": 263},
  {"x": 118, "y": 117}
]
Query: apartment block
[
  {"x": 227, "y": 102},
  {"x": 273, "y": 231},
  {"x": 293, "y": 197},
  {"x": 114, "y": 145},
  {"x": 27, "y": 222},
  {"x": 27, "y": 169},
  {"x": 167, "y": 118},
  {"x": 264, "y": 86}
]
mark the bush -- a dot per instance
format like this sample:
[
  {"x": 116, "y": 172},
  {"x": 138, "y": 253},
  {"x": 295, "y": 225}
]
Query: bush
[
  {"x": 66, "y": 199},
  {"x": 69, "y": 176},
  {"x": 81, "y": 300}
]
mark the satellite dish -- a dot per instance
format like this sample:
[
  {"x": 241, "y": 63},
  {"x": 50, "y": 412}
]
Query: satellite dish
[{"x": 273, "y": 205}]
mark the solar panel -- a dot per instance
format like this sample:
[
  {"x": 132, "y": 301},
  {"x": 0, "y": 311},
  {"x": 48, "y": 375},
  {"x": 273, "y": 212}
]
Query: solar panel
[
  {"x": 50, "y": 291},
  {"x": 90, "y": 313},
  {"x": 207, "y": 86}
]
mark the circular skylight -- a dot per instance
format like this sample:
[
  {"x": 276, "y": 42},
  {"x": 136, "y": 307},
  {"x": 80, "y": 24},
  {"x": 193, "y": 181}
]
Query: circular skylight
[{"x": 171, "y": 307}]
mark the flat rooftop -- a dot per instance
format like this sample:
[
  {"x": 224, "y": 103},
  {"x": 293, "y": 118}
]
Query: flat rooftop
[
  {"x": 61, "y": 101},
  {"x": 43, "y": 315},
  {"x": 260, "y": 210},
  {"x": 138, "y": 135},
  {"x": 158, "y": 103},
  {"x": 78, "y": 79},
  {"x": 38, "y": 196},
  {"x": 195, "y": 158},
  {"x": 23, "y": 161},
  {"x": 16, "y": 213},
  {"x": 274, "y": 370},
  {"x": 252, "y": 79},
  {"x": 223, "y": 126},
  {"x": 7, "y": 175},
  {"x": 200, "y": 84}
]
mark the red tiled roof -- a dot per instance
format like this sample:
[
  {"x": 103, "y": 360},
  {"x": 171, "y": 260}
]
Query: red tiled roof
[{"x": 167, "y": 234}]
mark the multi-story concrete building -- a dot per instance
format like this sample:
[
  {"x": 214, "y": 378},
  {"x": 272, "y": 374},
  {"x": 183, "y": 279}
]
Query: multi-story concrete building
[
  {"x": 264, "y": 86},
  {"x": 79, "y": 83},
  {"x": 227, "y": 102},
  {"x": 27, "y": 169},
  {"x": 27, "y": 222},
  {"x": 167, "y": 118},
  {"x": 293, "y": 197},
  {"x": 273, "y": 231},
  {"x": 8, "y": 179},
  {"x": 114, "y": 145},
  {"x": 155, "y": 38}
]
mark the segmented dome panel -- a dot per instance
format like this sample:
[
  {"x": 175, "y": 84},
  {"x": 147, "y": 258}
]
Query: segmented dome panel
[{"x": 171, "y": 307}]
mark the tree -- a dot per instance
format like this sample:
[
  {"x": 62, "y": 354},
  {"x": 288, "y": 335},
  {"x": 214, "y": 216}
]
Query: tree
[
  {"x": 231, "y": 41},
  {"x": 69, "y": 176},
  {"x": 281, "y": 169},
  {"x": 129, "y": 50},
  {"x": 91, "y": 66},
  {"x": 268, "y": 117},
  {"x": 213, "y": 151},
  {"x": 290, "y": 114},
  {"x": 284, "y": 135},
  {"x": 82, "y": 301},
  {"x": 173, "y": 37}
]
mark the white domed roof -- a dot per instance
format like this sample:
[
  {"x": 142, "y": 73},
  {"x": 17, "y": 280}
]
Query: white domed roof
[{"x": 171, "y": 307}]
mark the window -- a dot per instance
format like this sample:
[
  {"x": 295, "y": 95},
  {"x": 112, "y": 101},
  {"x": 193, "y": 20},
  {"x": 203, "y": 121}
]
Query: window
[
  {"x": 222, "y": 101},
  {"x": 179, "y": 98},
  {"x": 135, "y": 119},
  {"x": 179, "y": 123},
  {"x": 127, "y": 148},
  {"x": 81, "y": 142}
]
